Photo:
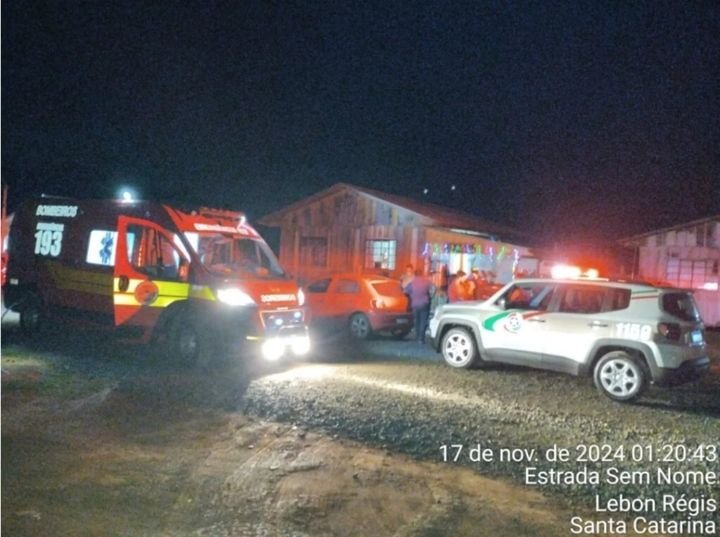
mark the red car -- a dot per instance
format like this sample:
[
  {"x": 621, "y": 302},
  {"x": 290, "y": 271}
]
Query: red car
[{"x": 362, "y": 304}]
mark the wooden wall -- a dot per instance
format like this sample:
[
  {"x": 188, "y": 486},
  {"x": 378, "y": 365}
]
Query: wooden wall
[{"x": 346, "y": 220}]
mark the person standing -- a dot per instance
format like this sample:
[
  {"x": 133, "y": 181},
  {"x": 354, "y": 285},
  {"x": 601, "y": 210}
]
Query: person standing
[
  {"x": 407, "y": 277},
  {"x": 405, "y": 280},
  {"x": 459, "y": 289},
  {"x": 479, "y": 284},
  {"x": 419, "y": 290}
]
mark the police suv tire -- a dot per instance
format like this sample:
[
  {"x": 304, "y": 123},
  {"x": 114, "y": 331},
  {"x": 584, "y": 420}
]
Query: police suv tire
[
  {"x": 459, "y": 349},
  {"x": 620, "y": 376},
  {"x": 359, "y": 326}
]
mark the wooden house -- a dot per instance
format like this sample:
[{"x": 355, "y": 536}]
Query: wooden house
[
  {"x": 351, "y": 228},
  {"x": 686, "y": 255}
]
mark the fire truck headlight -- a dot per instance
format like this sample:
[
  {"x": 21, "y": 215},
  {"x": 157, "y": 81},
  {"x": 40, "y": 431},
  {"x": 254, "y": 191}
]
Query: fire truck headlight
[
  {"x": 272, "y": 349},
  {"x": 301, "y": 346},
  {"x": 234, "y": 297},
  {"x": 300, "y": 297}
]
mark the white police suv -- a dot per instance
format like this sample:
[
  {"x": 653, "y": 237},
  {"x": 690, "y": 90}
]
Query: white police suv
[{"x": 623, "y": 334}]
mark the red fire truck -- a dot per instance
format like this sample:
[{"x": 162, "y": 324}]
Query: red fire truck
[{"x": 187, "y": 281}]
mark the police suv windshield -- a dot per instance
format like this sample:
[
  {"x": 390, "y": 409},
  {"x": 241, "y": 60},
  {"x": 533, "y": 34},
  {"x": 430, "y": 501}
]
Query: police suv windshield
[{"x": 230, "y": 255}]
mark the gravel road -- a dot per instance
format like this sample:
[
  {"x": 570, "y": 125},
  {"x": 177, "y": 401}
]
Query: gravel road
[
  {"x": 400, "y": 397},
  {"x": 103, "y": 433}
]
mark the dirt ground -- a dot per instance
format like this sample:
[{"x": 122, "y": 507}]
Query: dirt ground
[
  {"x": 86, "y": 466},
  {"x": 102, "y": 440},
  {"x": 117, "y": 445}
]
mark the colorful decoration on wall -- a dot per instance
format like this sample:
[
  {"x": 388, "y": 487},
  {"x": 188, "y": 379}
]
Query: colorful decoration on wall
[{"x": 431, "y": 249}]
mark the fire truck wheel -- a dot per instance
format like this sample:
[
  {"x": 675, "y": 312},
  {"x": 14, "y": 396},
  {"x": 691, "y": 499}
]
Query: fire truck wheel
[
  {"x": 32, "y": 317},
  {"x": 187, "y": 344}
]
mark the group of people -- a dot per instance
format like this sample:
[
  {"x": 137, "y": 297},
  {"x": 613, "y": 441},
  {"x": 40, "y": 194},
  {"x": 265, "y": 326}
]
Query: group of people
[
  {"x": 425, "y": 294},
  {"x": 476, "y": 286}
]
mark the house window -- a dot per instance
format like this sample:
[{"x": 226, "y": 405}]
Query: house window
[
  {"x": 700, "y": 236},
  {"x": 691, "y": 274},
  {"x": 380, "y": 254},
  {"x": 313, "y": 252},
  {"x": 709, "y": 239},
  {"x": 383, "y": 215}
]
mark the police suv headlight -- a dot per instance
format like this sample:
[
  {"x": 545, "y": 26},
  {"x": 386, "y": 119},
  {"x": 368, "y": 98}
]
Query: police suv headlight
[
  {"x": 300, "y": 297},
  {"x": 234, "y": 297}
]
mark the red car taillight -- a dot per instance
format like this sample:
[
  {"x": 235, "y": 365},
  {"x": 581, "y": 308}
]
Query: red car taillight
[{"x": 669, "y": 331}]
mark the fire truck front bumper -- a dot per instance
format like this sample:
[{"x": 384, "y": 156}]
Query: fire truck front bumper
[
  {"x": 285, "y": 341},
  {"x": 278, "y": 335}
]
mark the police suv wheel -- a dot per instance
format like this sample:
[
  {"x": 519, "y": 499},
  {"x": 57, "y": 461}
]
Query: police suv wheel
[
  {"x": 620, "y": 376},
  {"x": 459, "y": 348},
  {"x": 360, "y": 326}
]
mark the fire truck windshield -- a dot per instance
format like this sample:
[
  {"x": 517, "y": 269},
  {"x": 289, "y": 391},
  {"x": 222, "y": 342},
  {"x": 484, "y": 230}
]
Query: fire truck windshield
[{"x": 231, "y": 255}]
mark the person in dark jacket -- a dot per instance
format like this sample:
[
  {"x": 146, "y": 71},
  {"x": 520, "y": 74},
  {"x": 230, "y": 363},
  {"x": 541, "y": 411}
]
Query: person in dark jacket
[{"x": 419, "y": 290}]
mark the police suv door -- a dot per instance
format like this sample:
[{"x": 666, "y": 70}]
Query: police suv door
[
  {"x": 516, "y": 334},
  {"x": 578, "y": 319}
]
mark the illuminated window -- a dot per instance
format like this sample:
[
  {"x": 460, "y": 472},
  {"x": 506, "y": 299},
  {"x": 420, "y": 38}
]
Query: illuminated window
[
  {"x": 691, "y": 274},
  {"x": 380, "y": 254},
  {"x": 101, "y": 247},
  {"x": 313, "y": 252}
]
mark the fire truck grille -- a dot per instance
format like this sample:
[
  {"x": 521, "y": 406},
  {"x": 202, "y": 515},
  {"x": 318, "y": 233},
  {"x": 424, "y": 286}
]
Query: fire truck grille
[{"x": 278, "y": 319}]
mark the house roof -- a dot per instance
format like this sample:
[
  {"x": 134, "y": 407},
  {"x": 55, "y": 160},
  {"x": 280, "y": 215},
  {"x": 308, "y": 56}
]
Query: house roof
[
  {"x": 629, "y": 241},
  {"x": 439, "y": 215}
]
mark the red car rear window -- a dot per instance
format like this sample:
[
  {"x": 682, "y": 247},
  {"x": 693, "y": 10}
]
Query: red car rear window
[{"x": 389, "y": 288}]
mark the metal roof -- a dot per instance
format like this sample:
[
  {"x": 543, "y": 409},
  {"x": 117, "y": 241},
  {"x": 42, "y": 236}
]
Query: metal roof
[
  {"x": 440, "y": 216},
  {"x": 628, "y": 241}
]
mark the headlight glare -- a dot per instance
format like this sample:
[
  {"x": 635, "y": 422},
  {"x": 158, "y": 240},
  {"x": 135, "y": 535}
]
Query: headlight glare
[{"x": 234, "y": 297}]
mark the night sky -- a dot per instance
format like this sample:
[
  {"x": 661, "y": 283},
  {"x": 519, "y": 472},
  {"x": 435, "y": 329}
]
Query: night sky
[{"x": 571, "y": 120}]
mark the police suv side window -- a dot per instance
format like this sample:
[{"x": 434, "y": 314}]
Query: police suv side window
[
  {"x": 618, "y": 299},
  {"x": 529, "y": 296},
  {"x": 582, "y": 299}
]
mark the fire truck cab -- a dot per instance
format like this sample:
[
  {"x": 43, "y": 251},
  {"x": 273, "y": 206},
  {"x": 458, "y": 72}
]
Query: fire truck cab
[{"x": 188, "y": 281}]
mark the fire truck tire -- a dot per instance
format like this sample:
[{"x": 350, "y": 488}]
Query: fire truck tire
[
  {"x": 33, "y": 317},
  {"x": 187, "y": 342}
]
